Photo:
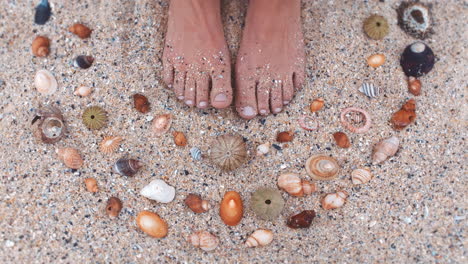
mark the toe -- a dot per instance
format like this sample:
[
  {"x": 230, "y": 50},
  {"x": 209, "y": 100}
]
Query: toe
[
  {"x": 276, "y": 97},
  {"x": 168, "y": 73},
  {"x": 246, "y": 101},
  {"x": 288, "y": 90},
  {"x": 298, "y": 79},
  {"x": 190, "y": 90},
  {"x": 221, "y": 91},
  {"x": 203, "y": 86},
  {"x": 179, "y": 82},
  {"x": 263, "y": 96}
]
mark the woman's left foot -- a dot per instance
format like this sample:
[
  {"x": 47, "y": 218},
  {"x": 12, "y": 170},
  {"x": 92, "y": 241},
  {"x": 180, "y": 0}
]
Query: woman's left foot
[{"x": 270, "y": 63}]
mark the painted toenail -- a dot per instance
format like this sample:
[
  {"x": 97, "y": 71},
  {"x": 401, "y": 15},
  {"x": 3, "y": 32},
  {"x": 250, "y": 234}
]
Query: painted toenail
[
  {"x": 202, "y": 104},
  {"x": 263, "y": 111},
  {"x": 180, "y": 97},
  {"x": 285, "y": 102},
  {"x": 277, "y": 110},
  {"x": 220, "y": 98},
  {"x": 248, "y": 111},
  {"x": 189, "y": 102}
]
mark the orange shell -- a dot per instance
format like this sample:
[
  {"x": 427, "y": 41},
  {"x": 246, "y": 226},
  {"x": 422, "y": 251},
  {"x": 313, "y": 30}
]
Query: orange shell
[
  {"x": 285, "y": 136},
  {"x": 141, "y": 103},
  {"x": 109, "y": 144},
  {"x": 91, "y": 185},
  {"x": 316, "y": 105},
  {"x": 80, "y": 30},
  {"x": 113, "y": 207},
  {"x": 70, "y": 157},
  {"x": 179, "y": 139},
  {"x": 40, "y": 46},
  {"x": 376, "y": 60},
  {"x": 342, "y": 140},
  {"x": 405, "y": 116},
  {"x": 231, "y": 208},
  {"x": 152, "y": 224},
  {"x": 414, "y": 86}
]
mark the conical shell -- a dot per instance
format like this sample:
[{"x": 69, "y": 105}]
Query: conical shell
[
  {"x": 161, "y": 124},
  {"x": 228, "y": 152},
  {"x": 127, "y": 167},
  {"x": 48, "y": 125},
  {"x": 196, "y": 153},
  {"x": 334, "y": 200},
  {"x": 70, "y": 157},
  {"x": 203, "y": 240},
  {"x": 45, "y": 82},
  {"x": 361, "y": 176},
  {"x": 152, "y": 224},
  {"x": 159, "y": 191},
  {"x": 369, "y": 90},
  {"x": 321, "y": 167},
  {"x": 385, "y": 149},
  {"x": 260, "y": 237},
  {"x": 196, "y": 203},
  {"x": 292, "y": 184},
  {"x": 109, "y": 144}
]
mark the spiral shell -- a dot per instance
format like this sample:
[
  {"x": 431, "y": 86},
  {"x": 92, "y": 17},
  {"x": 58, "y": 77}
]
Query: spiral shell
[
  {"x": 361, "y": 176},
  {"x": 83, "y": 91},
  {"x": 91, "y": 185},
  {"x": 70, "y": 157},
  {"x": 80, "y": 30},
  {"x": 292, "y": 184},
  {"x": 301, "y": 220},
  {"x": 228, "y": 152},
  {"x": 321, "y": 167},
  {"x": 110, "y": 144},
  {"x": 414, "y": 86},
  {"x": 196, "y": 203},
  {"x": 361, "y": 129},
  {"x": 45, "y": 82},
  {"x": 203, "y": 240},
  {"x": 127, "y": 167},
  {"x": 369, "y": 90},
  {"x": 40, "y": 46},
  {"x": 48, "y": 125},
  {"x": 159, "y": 191},
  {"x": 83, "y": 62},
  {"x": 196, "y": 153},
  {"x": 334, "y": 200},
  {"x": 161, "y": 124},
  {"x": 261, "y": 237},
  {"x": 385, "y": 149}
]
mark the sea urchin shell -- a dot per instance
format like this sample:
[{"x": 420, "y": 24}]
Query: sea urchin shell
[
  {"x": 267, "y": 203},
  {"x": 228, "y": 152},
  {"x": 376, "y": 27},
  {"x": 94, "y": 117}
]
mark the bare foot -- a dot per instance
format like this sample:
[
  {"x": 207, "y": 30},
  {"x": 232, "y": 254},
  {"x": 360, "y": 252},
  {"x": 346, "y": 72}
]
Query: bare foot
[
  {"x": 270, "y": 63},
  {"x": 196, "y": 58}
]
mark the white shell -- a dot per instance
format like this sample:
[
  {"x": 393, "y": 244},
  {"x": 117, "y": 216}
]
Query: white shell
[
  {"x": 334, "y": 200},
  {"x": 260, "y": 237},
  {"x": 204, "y": 240},
  {"x": 385, "y": 149},
  {"x": 263, "y": 149},
  {"x": 292, "y": 184},
  {"x": 45, "y": 82},
  {"x": 83, "y": 91},
  {"x": 159, "y": 191},
  {"x": 369, "y": 90},
  {"x": 196, "y": 153},
  {"x": 361, "y": 176}
]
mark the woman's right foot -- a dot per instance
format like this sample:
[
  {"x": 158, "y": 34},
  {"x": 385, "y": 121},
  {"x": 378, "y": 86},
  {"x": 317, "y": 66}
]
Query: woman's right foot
[{"x": 196, "y": 58}]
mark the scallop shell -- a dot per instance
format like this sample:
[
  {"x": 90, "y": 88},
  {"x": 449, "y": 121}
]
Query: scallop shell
[
  {"x": 292, "y": 184},
  {"x": 48, "y": 125},
  {"x": 196, "y": 153},
  {"x": 127, "y": 167},
  {"x": 369, "y": 90},
  {"x": 70, "y": 157},
  {"x": 321, "y": 167},
  {"x": 45, "y": 82},
  {"x": 161, "y": 124},
  {"x": 203, "y": 240},
  {"x": 260, "y": 237},
  {"x": 385, "y": 149},
  {"x": 83, "y": 91},
  {"x": 159, "y": 191},
  {"x": 110, "y": 144},
  {"x": 228, "y": 152},
  {"x": 334, "y": 200},
  {"x": 361, "y": 176}
]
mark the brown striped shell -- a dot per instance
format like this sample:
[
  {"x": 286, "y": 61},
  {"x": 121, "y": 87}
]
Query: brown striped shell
[{"x": 321, "y": 167}]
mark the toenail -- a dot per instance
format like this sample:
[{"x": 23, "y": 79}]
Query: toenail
[
  {"x": 277, "y": 110},
  {"x": 202, "y": 104},
  {"x": 248, "y": 111},
  {"x": 285, "y": 102},
  {"x": 220, "y": 98},
  {"x": 180, "y": 97},
  {"x": 263, "y": 111},
  {"x": 189, "y": 102}
]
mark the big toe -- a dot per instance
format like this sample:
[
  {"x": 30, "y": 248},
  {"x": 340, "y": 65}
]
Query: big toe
[{"x": 221, "y": 91}]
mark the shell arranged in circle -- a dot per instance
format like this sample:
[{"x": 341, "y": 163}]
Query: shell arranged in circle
[
  {"x": 321, "y": 167},
  {"x": 228, "y": 152},
  {"x": 45, "y": 82},
  {"x": 267, "y": 203},
  {"x": 369, "y": 90},
  {"x": 94, "y": 117}
]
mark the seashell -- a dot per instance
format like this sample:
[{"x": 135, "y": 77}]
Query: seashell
[
  {"x": 417, "y": 59},
  {"x": 361, "y": 176},
  {"x": 80, "y": 30},
  {"x": 141, "y": 103},
  {"x": 261, "y": 237},
  {"x": 196, "y": 153},
  {"x": 179, "y": 138},
  {"x": 385, "y": 149},
  {"x": 45, "y": 82},
  {"x": 84, "y": 62},
  {"x": 203, "y": 240},
  {"x": 415, "y": 19},
  {"x": 161, "y": 124},
  {"x": 285, "y": 136},
  {"x": 159, "y": 191},
  {"x": 40, "y": 46},
  {"x": 152, "y": 224},
  {"x": 316, "y": 105},
  {"x": 113, "y": 207},
  {"x": 263, "y": 149},
  {"x": 369, "y": 90},
  {"x": 376, "y": 27},
  {"x": 70, "y": 157},
  {"x": 414, "y": 86},
  {"x": 309, "y": 123},
  {"x": 48, "y": 125},
  {"x": 91, "y": 185},
  {"x": 376, "y": 60},
  {"x": 83, "y": 91},
  {"x": 334, "y": 200},
  {"x": 110, "y": 144},
  {"x": 94, "y": 117},
  {"x": 43, "y": 12},
  {"x": 321, "y": 167},
  {"x": 361, "y": 129},
  {"x": 341, "y": 139},
  {"x": 228, "y": 152},
  {"x": 231, "y": 208},
  {"x": 301, "y": 220},
  {"x": 196, "y": 203},
  {"x": 127, "y": 167},
  {"x": 405, "y": 116},
  {"x": 292, "y": 184},
  {"x": 267, "y": 203}
]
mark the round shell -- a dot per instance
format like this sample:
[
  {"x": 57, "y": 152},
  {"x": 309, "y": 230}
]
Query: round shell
[
  {"x": 83, "y": 62},
  {"x": 45, "y": 82},
  {"x": 415, "y": 19},
  {"x": 417, "y": 59},
  {"x": 351, "y": 127},
  {"x": 309, "y": 123},
  {"x": 127, "y": 167},
  {"x": 70, "y": 157},
  {"x": 83, "y": 91},
  {"x": 94, "y": 117},
  {"x": 321, "y": 167},
  {"x": 228, "y": 152},
  {"x": 361, "y": 176},
  {"x": 110, "y": 144},
  {"x": 267, "y": 203},
  {"x": 161, "y": 124},
  {"x": 376, "y": 27},
  {"x": 292, "y": 184},
  {"x": 152, "y": 224},
  {"x": 260, "y": 237},
  {"x": 48, "y": 125},
  {"x": 40, "y": 46},
  {"x": 204, "y": 240}
]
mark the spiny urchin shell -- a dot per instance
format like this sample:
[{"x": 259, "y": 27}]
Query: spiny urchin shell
[
  {"x": 376, "y": 27},
  {"x": 94, "y": 117},
  {"x": 228, "y": 152},
  {"x": 267, "y": 203},
  {"x": 415, "y": 19}
]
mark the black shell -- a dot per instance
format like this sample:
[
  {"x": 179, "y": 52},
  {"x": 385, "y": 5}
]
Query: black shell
[
  {"x": 83, "y": 62},
  {"x": 417, "y": 59},
  {"x": 43, "y": 12},
  {"x": 127, "y": 167}
]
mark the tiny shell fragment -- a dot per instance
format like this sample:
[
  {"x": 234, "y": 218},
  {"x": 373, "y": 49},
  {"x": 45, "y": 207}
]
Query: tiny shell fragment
[
  {"x": 316, "y": 105},
  {"x": 113, "y": 207},
  {"x": 285, "y": 136},
  {"x": 179, "y": 139},
  {"x": 91, "y": 185}
]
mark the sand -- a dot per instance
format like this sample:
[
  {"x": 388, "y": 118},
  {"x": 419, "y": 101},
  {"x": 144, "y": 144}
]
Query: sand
[{"x": 414, "y": 210}]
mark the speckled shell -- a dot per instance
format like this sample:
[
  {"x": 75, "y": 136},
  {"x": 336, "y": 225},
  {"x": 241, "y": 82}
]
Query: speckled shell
[
  {"x": 159, "y": 191},
  {"x": 45, "y": 82},
  {"x": 334, "y": 200},
  {"x": 415, "y": 19},
  {"x": 321, "y": 167},
  {"x": 161, "y": 124},
  {"x": 70, "y": 157},
  {"x": 110, "y": 144},
  {"x": 152, "y": 224},
  {"x": 203, "y": 240},
  {"x": 385, "y": 149},
  {"x": 292, "y": 184},
  {"x": 361, "y": 176},
  {"x": 228, "y": 152},
  {"x": 127, "y": 167},
  {"x": 259, "y": 238},
  {"x": 417, "y": 59},
  {"x": 48, "y": 125}
]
